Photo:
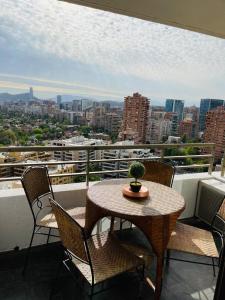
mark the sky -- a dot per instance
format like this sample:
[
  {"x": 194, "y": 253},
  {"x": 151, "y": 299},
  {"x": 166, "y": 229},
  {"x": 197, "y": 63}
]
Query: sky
[{"x": 62, "y": 48}]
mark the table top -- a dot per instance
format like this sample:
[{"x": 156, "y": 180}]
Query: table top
[{"x": 162, "y": 200}]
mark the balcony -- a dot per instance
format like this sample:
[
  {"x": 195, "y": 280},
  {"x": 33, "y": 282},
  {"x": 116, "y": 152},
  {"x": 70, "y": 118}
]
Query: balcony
[{"x": 181, "y": 280}]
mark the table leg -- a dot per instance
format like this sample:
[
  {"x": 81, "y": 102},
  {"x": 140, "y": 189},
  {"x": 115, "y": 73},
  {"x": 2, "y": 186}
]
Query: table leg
[{"x": 159, "y": 275}]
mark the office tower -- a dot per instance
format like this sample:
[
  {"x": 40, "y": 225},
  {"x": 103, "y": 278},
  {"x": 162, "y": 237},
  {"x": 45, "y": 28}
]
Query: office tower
[
  {"x": 215, "y": 130},
  {"x": 205, "y": 106},
  {"x": 135, "y": 118},
  {"x": 86, "y": 104},
  {"x": 31, "y": 94},
  {"x": 173, "y": 129},
  {"x": 175, "y": 106},
  {"x": 59, "y": 100},
  {"x": 77, "y": 105},
  {"x": 112, "y": 123}
]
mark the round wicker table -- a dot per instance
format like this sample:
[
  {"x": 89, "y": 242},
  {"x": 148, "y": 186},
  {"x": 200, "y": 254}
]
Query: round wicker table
[{"x": 156, "y": 215}]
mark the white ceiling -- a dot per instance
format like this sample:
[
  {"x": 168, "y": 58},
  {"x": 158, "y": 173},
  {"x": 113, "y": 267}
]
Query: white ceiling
[{"x": 205, "y": 16}]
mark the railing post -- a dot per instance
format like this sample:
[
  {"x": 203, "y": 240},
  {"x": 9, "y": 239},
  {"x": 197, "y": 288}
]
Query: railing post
[
  {"x": 210, "y": 169},
  {"x": 162, "y": 155},
  {"x": 223, "y": 164},
  {"x": 87, "y": 167}
]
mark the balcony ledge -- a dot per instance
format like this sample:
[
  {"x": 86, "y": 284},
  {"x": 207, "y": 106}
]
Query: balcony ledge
[{"x": 16, "y": 219}]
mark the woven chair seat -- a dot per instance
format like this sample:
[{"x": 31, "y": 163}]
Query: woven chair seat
[
  {"x": 139, "y": 251},
  {"x": 109, "y": 258},
  {"x": 78, "y": 213},
  {"x": 192, "y": 240}
]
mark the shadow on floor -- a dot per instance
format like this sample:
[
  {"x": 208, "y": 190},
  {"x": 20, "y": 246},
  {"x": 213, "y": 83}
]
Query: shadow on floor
[{"x": 182, "y": 281}]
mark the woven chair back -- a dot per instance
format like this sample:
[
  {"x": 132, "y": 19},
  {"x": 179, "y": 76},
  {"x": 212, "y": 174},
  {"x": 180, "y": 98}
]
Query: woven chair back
[
  {"x": 159, "y": 172},
  {"x": 71, "y": 233},
  {"x": 36, "y": 183},
  {"x": 221, "y": 211}
]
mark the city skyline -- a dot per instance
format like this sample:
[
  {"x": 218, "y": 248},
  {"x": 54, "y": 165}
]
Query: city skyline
[{"x": 69, "y": 49}]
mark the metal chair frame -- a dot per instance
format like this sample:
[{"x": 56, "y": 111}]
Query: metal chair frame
[
  {"x": 213, "y": 230},
  {"x": 70, "y": 255},
  {"x": 39, "y": 204}
]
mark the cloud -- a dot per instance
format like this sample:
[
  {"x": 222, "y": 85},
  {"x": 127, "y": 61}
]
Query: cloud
[
  {"x": 56, "y": 90},
  {"x": 119, "y": 45},
  {"x": 71, "y": 86}
]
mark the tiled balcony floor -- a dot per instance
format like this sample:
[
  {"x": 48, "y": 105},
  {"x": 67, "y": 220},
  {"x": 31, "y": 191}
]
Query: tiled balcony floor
[{"x": 182, "y": 281}]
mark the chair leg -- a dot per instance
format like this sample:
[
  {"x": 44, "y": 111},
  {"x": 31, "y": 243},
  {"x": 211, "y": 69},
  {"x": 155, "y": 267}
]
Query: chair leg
[
  {"x": 141, "y": 282},
  {"x": 49, "y": 233},
  {"x": 167, "y": 257},
  {"x": 214, "y": 269},
  {"x": 121, "y": 224},
  {"x": 111, "y": 229},
  {"x": 28, "y": 251},
  {"x": 92, "y": 293},
  {"x": 58, "y": 271}
]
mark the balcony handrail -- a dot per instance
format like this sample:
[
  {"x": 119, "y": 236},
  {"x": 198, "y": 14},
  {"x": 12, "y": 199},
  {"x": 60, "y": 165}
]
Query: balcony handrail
[
  {"x": 102, "y": 147},
  {"x": 91, "y": 148},
  {"x": 72, "y": 162}
]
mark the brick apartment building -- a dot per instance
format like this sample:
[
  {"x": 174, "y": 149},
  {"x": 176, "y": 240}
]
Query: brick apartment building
[
  {"x": 135, "y": 118},
  {"x": 188, "y": 128},
  {"x": 215, "y": 130}
]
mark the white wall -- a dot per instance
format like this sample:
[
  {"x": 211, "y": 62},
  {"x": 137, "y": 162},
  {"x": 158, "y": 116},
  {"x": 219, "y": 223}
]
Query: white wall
[
  {"x": 187, "y": 185},
  {"x": 16, "y": 219}
]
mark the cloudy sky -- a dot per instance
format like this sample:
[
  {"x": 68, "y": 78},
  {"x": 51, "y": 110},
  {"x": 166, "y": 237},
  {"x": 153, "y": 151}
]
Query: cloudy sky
[{"x": 60, "y": 48}]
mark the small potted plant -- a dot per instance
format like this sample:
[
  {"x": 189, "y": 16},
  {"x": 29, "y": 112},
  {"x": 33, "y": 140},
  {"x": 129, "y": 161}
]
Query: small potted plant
[{"x": 136, "y": 170}]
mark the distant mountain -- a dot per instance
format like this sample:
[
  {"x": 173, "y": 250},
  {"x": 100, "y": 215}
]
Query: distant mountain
[
  {"x": 16, "y": 97},
  {"x": 65, "y": 98}
]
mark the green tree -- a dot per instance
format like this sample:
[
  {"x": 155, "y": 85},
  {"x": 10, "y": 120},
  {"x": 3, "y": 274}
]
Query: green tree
[
  {"x": 85, "y": 130},
  {"x": 37, "y": 131},
  {"x": 7, "y": 137},
  {"x": 39, "y": 137}
]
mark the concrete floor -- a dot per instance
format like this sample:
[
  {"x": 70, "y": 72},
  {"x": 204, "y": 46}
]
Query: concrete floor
[{"x": 182, "y": 281}]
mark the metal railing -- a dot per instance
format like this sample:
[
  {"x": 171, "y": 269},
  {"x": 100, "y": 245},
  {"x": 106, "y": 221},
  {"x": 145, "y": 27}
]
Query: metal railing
[{"x": 88, "y": 161}]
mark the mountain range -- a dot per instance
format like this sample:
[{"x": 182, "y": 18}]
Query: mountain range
[{"x": 65, "y": 98}]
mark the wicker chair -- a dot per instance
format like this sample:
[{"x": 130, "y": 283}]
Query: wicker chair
[
  {"x": 158, "y": 172},
  {"x": 193, "y": 240},
  {"x": 97, "y": 258},
  {"x": 37, "y": 187}
]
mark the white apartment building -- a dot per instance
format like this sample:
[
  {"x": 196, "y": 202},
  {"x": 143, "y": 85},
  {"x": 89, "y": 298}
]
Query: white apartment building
[
  {"x": 159, "y": 127},
  {"x": 78, "y": 155},
  {"x": 122, "y": 154}
]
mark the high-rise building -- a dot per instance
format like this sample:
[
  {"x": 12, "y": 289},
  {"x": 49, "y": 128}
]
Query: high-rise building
[
  {"x": 188, "y": 128},
  {"x": 205, "y": 106},
  {"x": 59, "y": 100},
  {"x": 192, "y": 113},
  {"x": 173, "y": 117},
  {"x": 135, "y": 118},
  {"x": 112, "y": 123},
  {"x": 86, "y": 103},
  {"x": 159, "y": 127},
  {"x": 215, "y": 130},
  {"x": 77, "y": 105},
  {"x": 31, "y": 93},
  {"x": 175, "y": 106}
]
